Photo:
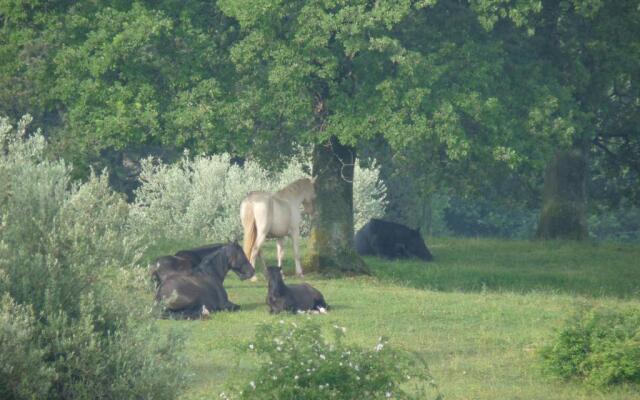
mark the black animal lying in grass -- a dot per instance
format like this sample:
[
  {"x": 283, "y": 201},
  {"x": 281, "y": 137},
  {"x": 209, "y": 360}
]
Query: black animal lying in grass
[
  {"x": 182, "y": 261},
  {"x": 292, "y": 298},
  {"x": 390, "y": 240},
  {"x": 200, "y": 291}
]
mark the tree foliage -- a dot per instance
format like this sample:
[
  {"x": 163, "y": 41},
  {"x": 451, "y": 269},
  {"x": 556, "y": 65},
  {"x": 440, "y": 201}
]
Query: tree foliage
[{"x": 469, "y": 94}]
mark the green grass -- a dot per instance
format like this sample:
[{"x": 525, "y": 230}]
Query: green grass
[{"x": 477, "y": 314}]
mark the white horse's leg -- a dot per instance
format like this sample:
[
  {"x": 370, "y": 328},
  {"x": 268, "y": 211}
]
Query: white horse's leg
[
  {"x": 280, "y": 249},
  {"x": 256, "y": 253},
  {"x": 261, "y": 214},
  {"x": 295, "y": 237}
]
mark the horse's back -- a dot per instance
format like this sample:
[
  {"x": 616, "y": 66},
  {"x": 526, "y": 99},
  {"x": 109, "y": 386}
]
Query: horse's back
[
  {"x": 305, "y": 296},
  {"x": 256, "y": 196},
  {"x": 196, "y": 255},
  {"x": 390, "y": 240},
  {"x": 184, "y": 292}
]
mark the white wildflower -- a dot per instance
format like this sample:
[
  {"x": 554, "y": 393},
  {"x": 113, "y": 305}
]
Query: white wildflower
[
  {"x": 379, "y": 346},
  {"x": 323, "y": 357},
  {"x": 253, "y": 385}
]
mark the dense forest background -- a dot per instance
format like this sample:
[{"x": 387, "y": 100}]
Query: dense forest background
[{"x": 486, "y": 117}]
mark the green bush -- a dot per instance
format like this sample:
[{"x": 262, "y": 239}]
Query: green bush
[
  {"x": 23, "y": 371},
  {"x": 72, "y": 328},
  {"x": 298, "y": 363},
  {"x": 598, "y": 346}
]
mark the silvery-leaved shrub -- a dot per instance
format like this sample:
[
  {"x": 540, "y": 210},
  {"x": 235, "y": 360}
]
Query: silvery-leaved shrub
[
  {"x": 198, "y": 198},
  {"x": 369, "y": 195},
  {"x": 296, "y": 361},
  {"x": 195, "y": 198},
  {"x": 66, "y": 277}
]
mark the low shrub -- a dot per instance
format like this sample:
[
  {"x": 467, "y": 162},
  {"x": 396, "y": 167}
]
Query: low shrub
[
  {"x": 299, "y": 363},
  {"x": 599, "y": 346}
]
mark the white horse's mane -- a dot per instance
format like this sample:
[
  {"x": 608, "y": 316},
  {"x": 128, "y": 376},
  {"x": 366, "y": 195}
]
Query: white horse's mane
[{"x": 298, "y": 186}]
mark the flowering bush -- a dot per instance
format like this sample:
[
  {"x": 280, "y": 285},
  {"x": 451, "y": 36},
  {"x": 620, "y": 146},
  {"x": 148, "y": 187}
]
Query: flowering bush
[
  {"x": 198, "y": 198},
  {"x": 300, "y": 364}
]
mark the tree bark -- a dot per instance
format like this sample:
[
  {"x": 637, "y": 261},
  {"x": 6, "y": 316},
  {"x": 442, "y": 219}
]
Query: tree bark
[
  {"x": 563, "y": 210},
  {"x": 331, "y": 249}
]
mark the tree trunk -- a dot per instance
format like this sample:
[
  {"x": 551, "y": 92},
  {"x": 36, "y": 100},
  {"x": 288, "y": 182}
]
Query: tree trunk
[
  {"x": 563, "y": 209},
  {"x": 331, "y": 249}
]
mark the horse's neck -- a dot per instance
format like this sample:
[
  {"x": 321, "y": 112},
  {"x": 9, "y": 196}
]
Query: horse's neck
[
  {"x": 278, "y": 287},
  {"x": 218, "y": 266},
  {"x": 294, "y": 199}
]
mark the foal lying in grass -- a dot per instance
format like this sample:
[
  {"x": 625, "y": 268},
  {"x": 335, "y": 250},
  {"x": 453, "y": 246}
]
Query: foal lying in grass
[{"x": 292, "y": 298}]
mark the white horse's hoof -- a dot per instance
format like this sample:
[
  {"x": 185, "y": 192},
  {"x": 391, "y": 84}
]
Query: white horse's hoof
[
  {"x": 322, "y": 310},
  {"x": 254, "y": 279}
]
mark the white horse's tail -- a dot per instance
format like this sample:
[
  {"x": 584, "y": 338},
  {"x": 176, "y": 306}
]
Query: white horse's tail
[{"x": 249, "y": 225}]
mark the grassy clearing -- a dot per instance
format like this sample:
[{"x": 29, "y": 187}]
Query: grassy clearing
[{"x": 477, "y": 314}]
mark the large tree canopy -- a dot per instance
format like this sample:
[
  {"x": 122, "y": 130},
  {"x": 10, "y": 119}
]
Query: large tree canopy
[{"x": 470, "y": 94}]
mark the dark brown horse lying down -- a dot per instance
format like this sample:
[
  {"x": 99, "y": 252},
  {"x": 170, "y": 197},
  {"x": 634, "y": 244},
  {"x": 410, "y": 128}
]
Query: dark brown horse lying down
[
  {"x": 182, "y": 261},
  {"x": 292, "y": 298},
  {"x": 190, "y": 293}
]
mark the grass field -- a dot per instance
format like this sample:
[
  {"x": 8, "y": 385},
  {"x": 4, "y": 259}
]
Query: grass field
[{"x": 477, "y": 314}]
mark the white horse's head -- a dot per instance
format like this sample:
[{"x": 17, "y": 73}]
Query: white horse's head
[{"x": 301, "y": 191}]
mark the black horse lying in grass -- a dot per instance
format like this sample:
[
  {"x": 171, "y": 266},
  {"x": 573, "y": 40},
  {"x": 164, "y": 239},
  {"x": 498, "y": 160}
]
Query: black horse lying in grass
[
  {"x": 200, "y": 290},
  {"x": 182, "y": 261},
  {"x": 390, "y": 240},
  {"x": 292, "y": 298}
]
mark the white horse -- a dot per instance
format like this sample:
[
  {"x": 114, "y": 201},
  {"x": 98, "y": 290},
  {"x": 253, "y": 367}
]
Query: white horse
[{"x": 276, "y": 215}]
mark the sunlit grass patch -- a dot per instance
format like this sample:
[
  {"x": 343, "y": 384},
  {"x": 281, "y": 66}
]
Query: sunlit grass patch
[{"x": 480, "y": 341}]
